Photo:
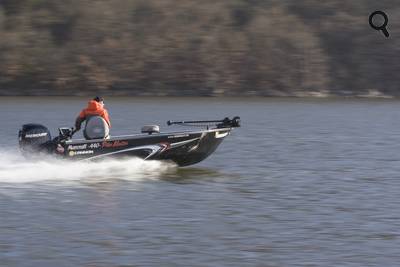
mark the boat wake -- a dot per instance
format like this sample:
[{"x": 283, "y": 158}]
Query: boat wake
[{"x": 16, "y": 169}]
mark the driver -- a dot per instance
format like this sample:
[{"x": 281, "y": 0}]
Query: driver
[{"x": 95, "y": 108}]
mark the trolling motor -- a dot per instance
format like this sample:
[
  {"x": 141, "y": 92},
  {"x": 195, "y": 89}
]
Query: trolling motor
[{"x": 225, "y": 123}]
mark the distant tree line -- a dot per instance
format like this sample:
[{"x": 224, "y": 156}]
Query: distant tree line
[{"x": 197, "y": 48}]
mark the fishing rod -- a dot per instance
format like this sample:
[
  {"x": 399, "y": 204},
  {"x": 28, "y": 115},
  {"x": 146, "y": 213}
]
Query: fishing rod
[{"x": 225, "y": 123}]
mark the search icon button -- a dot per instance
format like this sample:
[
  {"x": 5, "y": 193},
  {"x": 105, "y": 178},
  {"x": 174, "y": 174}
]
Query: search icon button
[{"x": 379, "y": 27}]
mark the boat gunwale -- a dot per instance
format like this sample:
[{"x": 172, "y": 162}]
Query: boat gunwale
[{"x": 143, "y": 135}]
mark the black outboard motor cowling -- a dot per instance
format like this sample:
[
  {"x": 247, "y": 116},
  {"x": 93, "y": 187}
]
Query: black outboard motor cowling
[{"x": 32, "y": 137}]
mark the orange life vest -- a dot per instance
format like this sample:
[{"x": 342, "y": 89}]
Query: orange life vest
[{"x": 94, "y": 108}]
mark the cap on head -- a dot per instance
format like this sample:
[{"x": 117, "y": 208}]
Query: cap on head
[{"x": 98, "y": 99}]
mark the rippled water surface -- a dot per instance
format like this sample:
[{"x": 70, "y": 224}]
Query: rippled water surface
[{"x": 302, "y": 183}]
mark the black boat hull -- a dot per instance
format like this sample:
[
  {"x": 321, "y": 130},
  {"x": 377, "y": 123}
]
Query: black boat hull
[{"x": 182, "y": 148}]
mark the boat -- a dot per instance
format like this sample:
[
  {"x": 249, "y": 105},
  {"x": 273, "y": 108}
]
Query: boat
[{"x": 183, "y": 148}]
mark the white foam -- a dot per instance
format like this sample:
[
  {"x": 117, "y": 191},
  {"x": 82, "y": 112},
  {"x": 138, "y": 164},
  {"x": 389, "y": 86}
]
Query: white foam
[{"x": 16, "y": 169}]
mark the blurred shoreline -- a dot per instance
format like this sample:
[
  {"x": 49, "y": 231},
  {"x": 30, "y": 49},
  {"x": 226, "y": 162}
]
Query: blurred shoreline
[
  {"x": 202, "y": 98},
  {"x": 241, "y": 48}
]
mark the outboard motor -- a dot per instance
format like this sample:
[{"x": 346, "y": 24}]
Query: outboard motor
[{"x": 32, "y": 136}]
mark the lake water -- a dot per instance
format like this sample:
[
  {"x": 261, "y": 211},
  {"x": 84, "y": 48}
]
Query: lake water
[{"x": 302, "y": 183}]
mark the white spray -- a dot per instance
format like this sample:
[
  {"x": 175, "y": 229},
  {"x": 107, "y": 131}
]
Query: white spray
[{"x": 16, "y": 169}]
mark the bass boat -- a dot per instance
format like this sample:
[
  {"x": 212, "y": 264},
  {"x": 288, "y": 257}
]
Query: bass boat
[{"x": 183, "y": 148}]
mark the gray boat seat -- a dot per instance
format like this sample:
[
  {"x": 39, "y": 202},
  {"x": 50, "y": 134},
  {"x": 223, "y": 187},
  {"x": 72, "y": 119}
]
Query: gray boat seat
[{"x": 96, "y": 128}]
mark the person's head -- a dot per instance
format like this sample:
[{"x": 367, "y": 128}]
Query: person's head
[{"x": 99, "y": 99}]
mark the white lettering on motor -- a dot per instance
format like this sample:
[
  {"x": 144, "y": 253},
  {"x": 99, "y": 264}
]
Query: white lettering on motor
[{"x": 35, "y": 135}]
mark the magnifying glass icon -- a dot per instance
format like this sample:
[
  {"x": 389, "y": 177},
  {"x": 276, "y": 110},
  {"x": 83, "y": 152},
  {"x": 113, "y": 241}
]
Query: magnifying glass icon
[{"x": 379, "y": 27}]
